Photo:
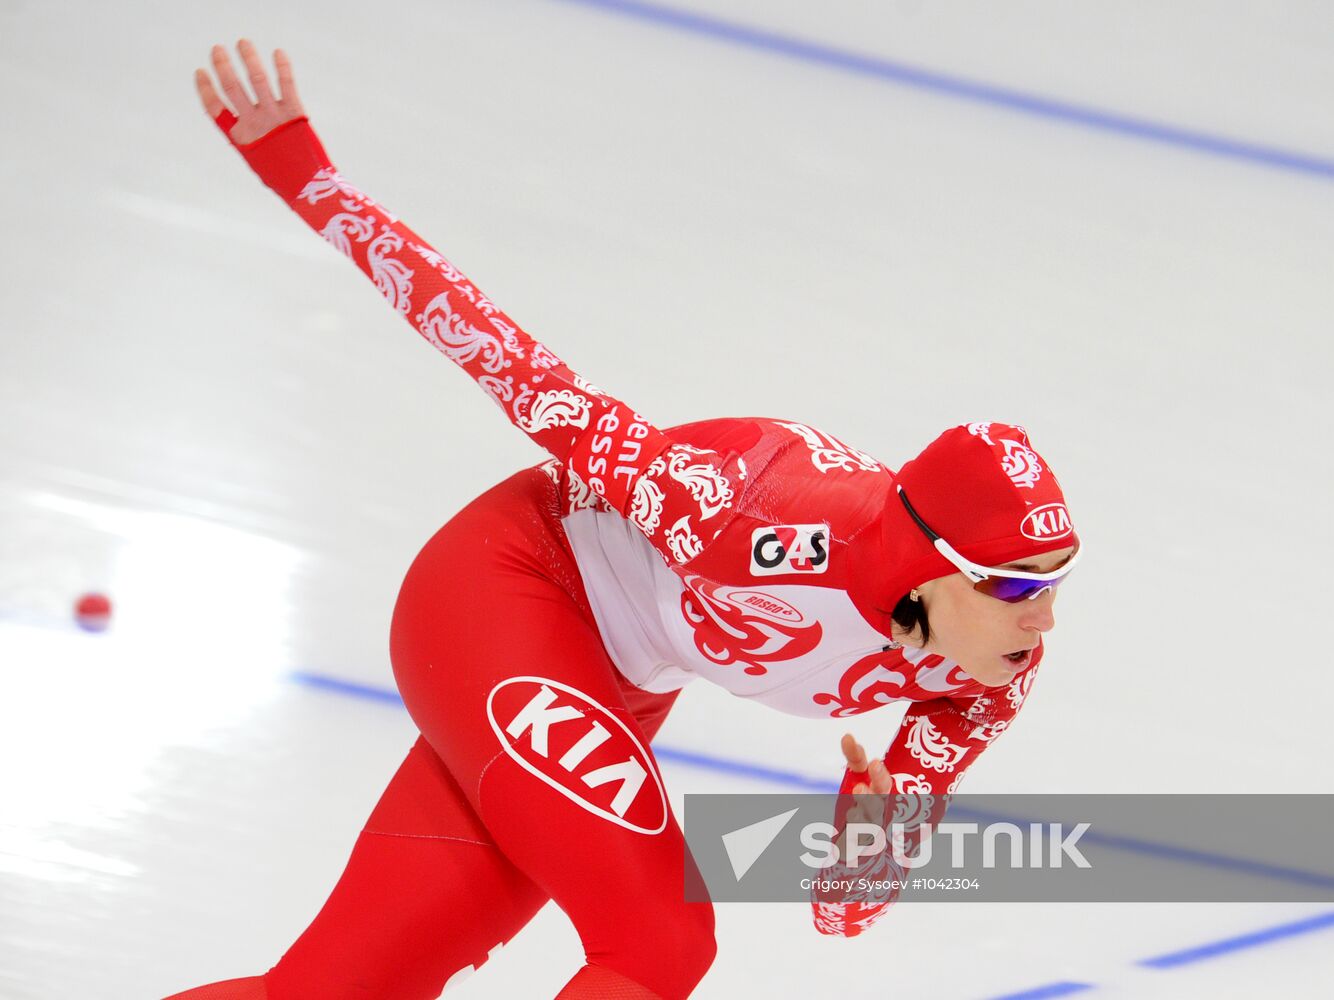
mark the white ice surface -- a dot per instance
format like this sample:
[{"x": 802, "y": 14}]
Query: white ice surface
[{"x": 210, "y": 416}]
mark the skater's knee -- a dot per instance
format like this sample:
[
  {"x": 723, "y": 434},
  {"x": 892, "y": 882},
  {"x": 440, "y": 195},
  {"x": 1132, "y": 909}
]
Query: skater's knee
[
  {"x": 672, "y": 949},
  {"x": 694, "y": 957},
  {"x": 697, "y": 945}
]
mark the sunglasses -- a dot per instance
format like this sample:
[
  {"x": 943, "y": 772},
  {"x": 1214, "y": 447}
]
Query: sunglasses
[{"x": 1008, "y": 585}]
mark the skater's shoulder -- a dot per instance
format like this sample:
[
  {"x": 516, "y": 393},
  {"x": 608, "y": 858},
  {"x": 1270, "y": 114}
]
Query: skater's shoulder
[{"x": 742, "y": 434}]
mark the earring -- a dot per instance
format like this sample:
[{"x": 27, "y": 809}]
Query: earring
[{"x": 913, "y": 595}]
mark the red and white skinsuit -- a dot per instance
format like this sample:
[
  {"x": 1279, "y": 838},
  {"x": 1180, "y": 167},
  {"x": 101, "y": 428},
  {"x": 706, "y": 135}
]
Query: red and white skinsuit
[{"x": 543, "y": 633}]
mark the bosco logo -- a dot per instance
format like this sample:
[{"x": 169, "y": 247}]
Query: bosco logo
[
  {"x": 789, "y": 548},
  {"x": 576, "y": 746},
  {"x": 1045, "y": 523},
  {"x": 765, "y": 604}
]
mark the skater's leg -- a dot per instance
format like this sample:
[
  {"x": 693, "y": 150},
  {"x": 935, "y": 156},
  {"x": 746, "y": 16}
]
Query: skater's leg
[{"x": 507, "y": 678}]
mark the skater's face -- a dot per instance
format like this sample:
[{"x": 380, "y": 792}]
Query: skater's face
[{"x": 979, "y": 632}]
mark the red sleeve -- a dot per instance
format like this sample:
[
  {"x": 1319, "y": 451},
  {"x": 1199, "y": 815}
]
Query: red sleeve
[
  {"x": 935, "y": 745},
  {"x": 679, "y": 496}
]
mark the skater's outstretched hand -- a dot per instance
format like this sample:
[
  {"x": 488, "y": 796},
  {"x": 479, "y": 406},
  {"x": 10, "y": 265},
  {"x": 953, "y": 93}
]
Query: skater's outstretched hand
[{"x": 253, "y": 117}]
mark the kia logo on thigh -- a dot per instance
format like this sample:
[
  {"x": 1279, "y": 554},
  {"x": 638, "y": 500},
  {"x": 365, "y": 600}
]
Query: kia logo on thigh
[{"x": 562, "y": 736}]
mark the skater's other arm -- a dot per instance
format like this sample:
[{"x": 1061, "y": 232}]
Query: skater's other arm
[
  {"x": 935, "y": 745},
  {"x": 679, "y": 497}
]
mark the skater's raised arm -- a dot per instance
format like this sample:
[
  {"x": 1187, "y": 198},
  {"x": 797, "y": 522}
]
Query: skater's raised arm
[{"x": 676, "y": 495}]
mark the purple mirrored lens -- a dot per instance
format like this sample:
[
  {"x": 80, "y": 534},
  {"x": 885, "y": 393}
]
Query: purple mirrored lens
[{"x": 1013, "y": 590}]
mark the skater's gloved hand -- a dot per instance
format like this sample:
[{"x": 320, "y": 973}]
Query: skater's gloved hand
[{"x": 246, "y": 120}]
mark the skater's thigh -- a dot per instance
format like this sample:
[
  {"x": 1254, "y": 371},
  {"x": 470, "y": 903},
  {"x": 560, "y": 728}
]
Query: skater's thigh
[
  {"x": 484, "y": 629},
  {"x": 493, "y": 597}
]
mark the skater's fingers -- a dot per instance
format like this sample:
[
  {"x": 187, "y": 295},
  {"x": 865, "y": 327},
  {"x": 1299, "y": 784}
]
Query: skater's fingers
[
  {"x": 881, "y": 783},
  {"x": 854, "y": 752},
  {"x": 231, "y": 86},
  {"x": 286, "y": 81},
  {"x": 259, "y": 80},
  {"x": 213, "y": 105}
]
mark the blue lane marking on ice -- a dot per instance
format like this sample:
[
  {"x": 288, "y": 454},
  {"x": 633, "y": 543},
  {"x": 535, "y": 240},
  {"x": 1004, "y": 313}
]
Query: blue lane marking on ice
[
  {"x": 692, "y": 759},
  {"x": 773, "y": 42},
  {"x": 1198, "y": 953},
  {"x": 1050, "y": 990},
  {"x": 1254, "y": 939},
  {"x": 347, "y": 687}
]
